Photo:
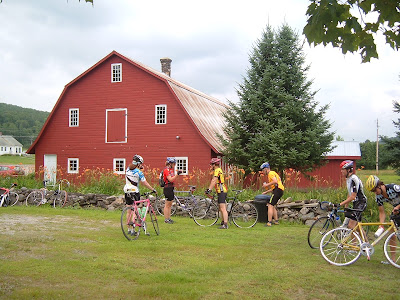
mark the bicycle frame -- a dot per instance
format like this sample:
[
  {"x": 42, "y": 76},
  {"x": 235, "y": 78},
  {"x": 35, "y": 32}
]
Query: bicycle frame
[
  {"x": 6, "y": 194},
  {"x": 359, "y": 229}
]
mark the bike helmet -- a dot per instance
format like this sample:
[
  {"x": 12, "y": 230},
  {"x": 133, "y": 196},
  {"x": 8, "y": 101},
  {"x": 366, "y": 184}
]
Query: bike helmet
[
  {"x": 171, "y": 160},
  {"x": 372, "y": 182},
  {"x": 346, "y": 164},
  {"x": 264, "y": 165},
  {"x": 215, "y": 160},
  {"x": 137, "y": 159}
]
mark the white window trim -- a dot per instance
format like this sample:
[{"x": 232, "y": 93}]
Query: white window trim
[
  {"x": 187, "y": 164},
  {"x": 77, "y": 122},
  {"x": 112, "y": 73},
  {"x": 126, "y": 125},
  {"x": 155, "y": 114},
  {"x": 77, "y": 165},
  {"x": 115, "y": 165}
]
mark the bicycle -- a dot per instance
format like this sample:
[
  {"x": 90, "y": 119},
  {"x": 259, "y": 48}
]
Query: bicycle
[
  {"x": 133, "y": 218},
  {"x": 57, "y": 198},
  {"x": 323, "y": 224},
  {"x": 343, "y": 246},
  {"x": 189, "y": 202},
  {"x": 8, "y": 198},
  {"x": 242, "y": 214}
]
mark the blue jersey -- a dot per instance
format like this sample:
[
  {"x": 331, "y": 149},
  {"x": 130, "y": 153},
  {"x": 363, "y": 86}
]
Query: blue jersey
[
  {"x": 393, "y": 192},
  {"x": 132, "y": 179}
]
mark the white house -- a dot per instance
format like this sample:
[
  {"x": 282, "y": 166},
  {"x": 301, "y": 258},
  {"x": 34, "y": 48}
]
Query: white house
[{"x": 9, "y": 145}]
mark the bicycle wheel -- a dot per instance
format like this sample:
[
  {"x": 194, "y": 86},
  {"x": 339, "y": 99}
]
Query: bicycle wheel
[
  {"x": 160, "y": 203},
  {"x": 392, "y": 251},
  {"x": 340, "y": 247},
  {"x": 34, "y": 198},
  {"x": 60, "y": 198},
  {"x": 130, "y": 232},
  {"x": 205, "y": 213},
  {"x": 244, "y": 215},
  {"x": 12, "y": 199},
  {"x": 318, "y": 229},
  {"x": 190, "y": 203},
  {"x": 153, "y": 218}
]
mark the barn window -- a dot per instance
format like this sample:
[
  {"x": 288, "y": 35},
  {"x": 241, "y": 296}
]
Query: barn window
[
  {"x": 116, "y": 125},
  {"x": 161, "y": 114},
  {"x": 119, "y": 165},
  {"x": 116, "y": 72},
  {"x": 182, "y": 164},
  {"x": 73, "y": 117},
  {"x": 73, "y": 165}
]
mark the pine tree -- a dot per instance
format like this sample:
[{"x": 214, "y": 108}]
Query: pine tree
[{"x": 276, "y": 118}]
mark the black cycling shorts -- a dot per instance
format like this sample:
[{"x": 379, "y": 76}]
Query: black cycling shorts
[
  {"x": 356, "y": 215},
  {"x": 222, "y": 197},
  {"x": 169, "y": 193},
  {"x": 276, "y": 195},
  {"x": 130, "y": 197}
]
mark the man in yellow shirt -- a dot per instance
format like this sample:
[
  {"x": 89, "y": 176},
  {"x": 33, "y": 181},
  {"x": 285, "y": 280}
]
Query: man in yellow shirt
[
  {"x": 218, "y": 181},
  {"x": 274, "y": 185}
]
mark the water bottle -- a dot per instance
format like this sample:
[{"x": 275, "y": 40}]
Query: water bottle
[
  {"x": 228, "y": 207},
  {"x": 379, "y": 231}
]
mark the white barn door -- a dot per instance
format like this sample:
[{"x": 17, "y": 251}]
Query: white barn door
[{"x": 50, "y": 168}]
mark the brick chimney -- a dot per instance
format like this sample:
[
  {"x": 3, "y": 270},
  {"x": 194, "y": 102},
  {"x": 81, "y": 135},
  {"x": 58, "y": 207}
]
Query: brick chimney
[{"x": 166, "y": 66}]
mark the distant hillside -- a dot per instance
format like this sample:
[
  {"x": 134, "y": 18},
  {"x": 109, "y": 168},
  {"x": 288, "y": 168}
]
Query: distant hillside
[{"x": 24, "y": 124}]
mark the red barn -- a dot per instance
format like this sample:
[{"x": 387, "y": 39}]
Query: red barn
[
  {"x": 120, "y": 107},
  {"x": 329, "y": 174}
]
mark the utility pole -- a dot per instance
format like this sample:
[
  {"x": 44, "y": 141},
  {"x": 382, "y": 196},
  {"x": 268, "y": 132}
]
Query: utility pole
[{"x": 377, "y": 147}]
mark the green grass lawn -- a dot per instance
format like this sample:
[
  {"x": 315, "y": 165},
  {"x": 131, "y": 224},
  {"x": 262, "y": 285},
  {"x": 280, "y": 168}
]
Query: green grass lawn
[
  {"x": 82, "y": 254},
  {"x": 17, "y": 160}
]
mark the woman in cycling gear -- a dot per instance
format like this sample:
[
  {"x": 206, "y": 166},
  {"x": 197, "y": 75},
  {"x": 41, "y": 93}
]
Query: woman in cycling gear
[
  {"x": 274, "y": 185},
  {"x": 355, "y": 193},
  {"x": 218, "y": 181},
  {"x": 133, "y": 176},
  {"x": 169, "y": 176}
]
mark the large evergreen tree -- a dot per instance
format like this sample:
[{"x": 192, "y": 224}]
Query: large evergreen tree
[
  {"x": 393, "y": 144},
  {"x": 276, "y": 118}
]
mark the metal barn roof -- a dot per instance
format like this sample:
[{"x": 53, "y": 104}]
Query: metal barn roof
[{"x": 345, "y": 149}]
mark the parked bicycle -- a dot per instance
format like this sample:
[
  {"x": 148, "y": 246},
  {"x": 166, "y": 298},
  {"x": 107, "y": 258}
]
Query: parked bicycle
[
  {"x": 323, "y": 224},
  {"x": 133, "y": 218},
  {"x": 343, "y": 246},
  {"x": 8, "y": 198},
  {"x": 185, "y": 202},
  {"x": 242, "y": 214},
  {"x": 57, "y": 196}
]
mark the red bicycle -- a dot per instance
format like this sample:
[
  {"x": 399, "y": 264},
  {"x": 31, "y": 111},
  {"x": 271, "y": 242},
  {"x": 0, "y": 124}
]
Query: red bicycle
[
  {"x": 133, "y": 218},
  {"x": 8, "y": 198}
]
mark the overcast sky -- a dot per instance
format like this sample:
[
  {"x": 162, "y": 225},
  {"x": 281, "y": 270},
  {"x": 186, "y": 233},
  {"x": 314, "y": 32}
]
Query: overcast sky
[{"x": 45, "y": 44}]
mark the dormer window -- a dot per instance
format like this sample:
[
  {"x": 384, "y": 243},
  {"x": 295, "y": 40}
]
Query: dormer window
[{"x": 116, "y": 72}]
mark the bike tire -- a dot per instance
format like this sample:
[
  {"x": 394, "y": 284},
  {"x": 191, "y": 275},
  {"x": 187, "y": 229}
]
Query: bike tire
[
  {"x": 12, "y": 198},
  {"x": 338, "y": 249},
  {"x": 60, "y": 199},
  {"x": 317, "y": 231},
  {"x": 34, "y": 198},
  {"x": 205, "y": 213},
  {"x": 244, "y": 215},
  {"x": 127, "y": 230},
  {"x": 160, "y": 203},
  {"x": 190, "y": 203},
  {"x": 154, "y": 221},
  {"x": 392, "y": 253}
]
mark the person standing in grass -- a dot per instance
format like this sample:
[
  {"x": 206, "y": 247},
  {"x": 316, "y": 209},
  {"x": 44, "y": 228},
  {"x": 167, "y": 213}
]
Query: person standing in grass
[
  {"x": 218, "y": 181},
  {"x": 169, "y": 176},
  {"x": 274, "y": 185},
  {"x": 133, "y": 176}
]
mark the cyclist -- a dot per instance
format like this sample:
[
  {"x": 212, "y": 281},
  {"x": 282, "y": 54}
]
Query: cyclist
[
  {"x": 218, "y": 181},
  {"x": 275, "y": 186},
  {"x": 355, "y": 193},
  {"x": 133, "y": 176},
  {"x": 169, "y": 176},
  {"x": 384, "y": 193}
]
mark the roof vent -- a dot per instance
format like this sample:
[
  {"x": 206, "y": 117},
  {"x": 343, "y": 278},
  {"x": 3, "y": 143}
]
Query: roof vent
[{"x": 166, "y": 66}]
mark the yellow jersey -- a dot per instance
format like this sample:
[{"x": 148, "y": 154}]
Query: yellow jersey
[
  {"x": 271, "y": 176},
  {"x": 220, "y": 186}
]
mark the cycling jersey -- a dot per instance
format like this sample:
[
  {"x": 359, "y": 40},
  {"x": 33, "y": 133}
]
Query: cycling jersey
[
  {"x": 354, "y": 185},
  {"x": 220, "y": 186},
  {"x": 168, "y": 172},
  {"x": 271, "y": 176},
  {"x": 132, "y": 179},
  {"x": 393, "y": 192}
]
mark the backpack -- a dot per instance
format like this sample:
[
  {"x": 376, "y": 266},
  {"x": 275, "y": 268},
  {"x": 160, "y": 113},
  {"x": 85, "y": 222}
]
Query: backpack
[{"x": 161, "y": 179}]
